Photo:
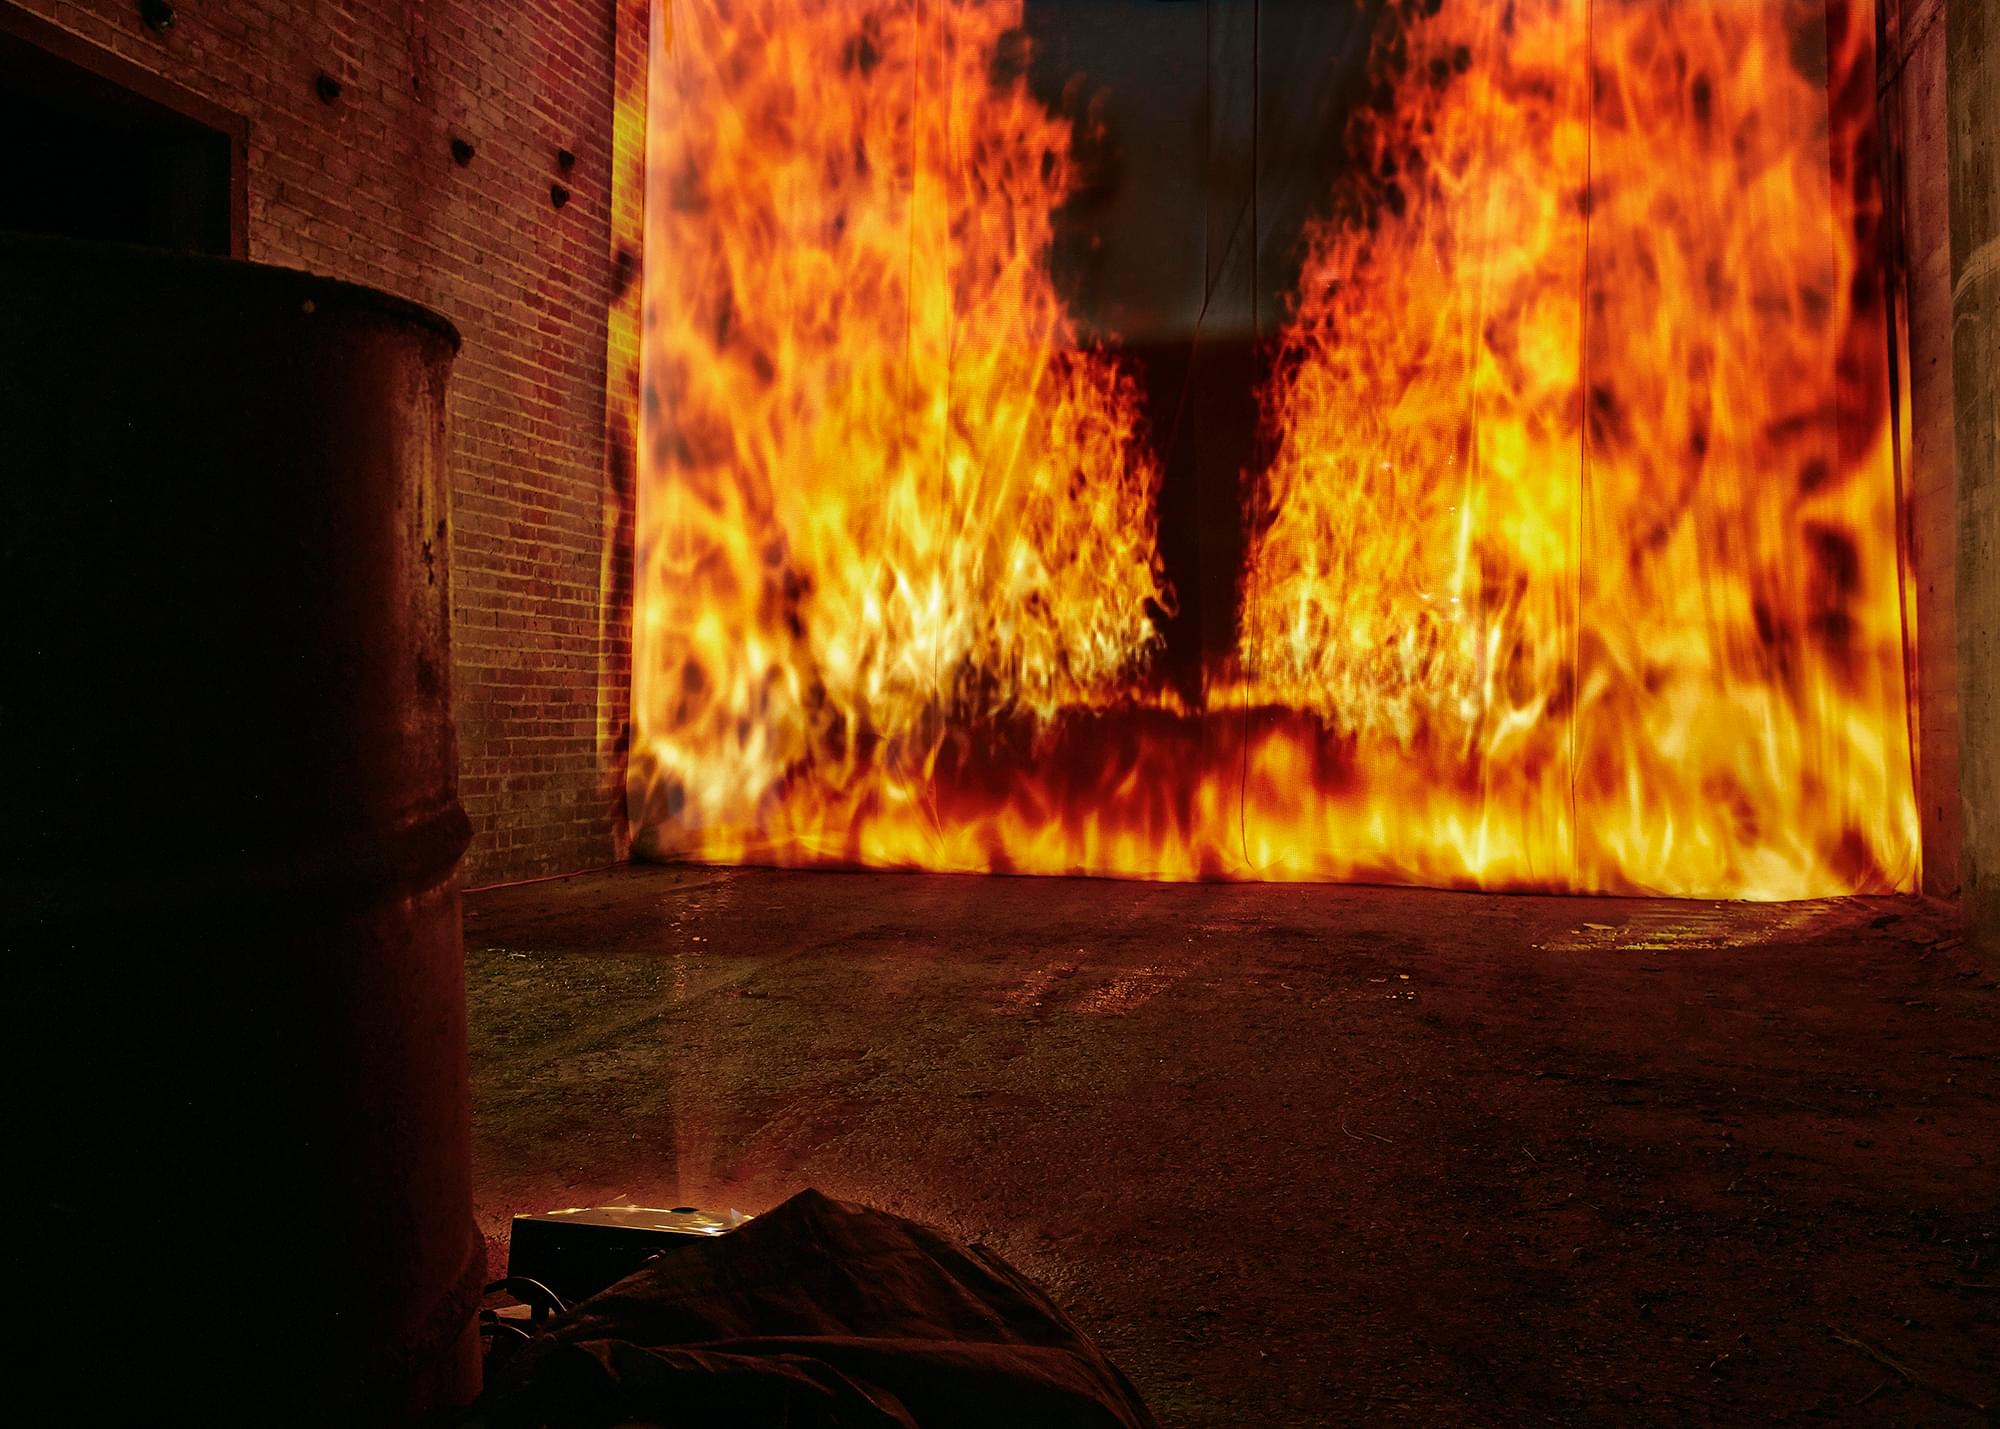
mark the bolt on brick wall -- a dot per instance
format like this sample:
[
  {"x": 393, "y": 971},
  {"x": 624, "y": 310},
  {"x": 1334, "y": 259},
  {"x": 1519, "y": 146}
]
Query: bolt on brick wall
[{"x": 497, "y": 234}]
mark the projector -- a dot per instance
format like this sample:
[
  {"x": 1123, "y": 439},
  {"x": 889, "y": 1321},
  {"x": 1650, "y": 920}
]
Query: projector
[{"x": 578, "y": 1252}]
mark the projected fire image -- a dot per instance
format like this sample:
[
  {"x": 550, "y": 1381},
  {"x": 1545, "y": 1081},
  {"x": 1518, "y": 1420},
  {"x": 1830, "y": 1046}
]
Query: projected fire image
[{"x": 1569, "y": 545}]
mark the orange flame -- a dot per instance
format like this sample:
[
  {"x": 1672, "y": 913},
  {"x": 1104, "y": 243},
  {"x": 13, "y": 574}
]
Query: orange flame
[
  {"x": 1562, "y": 530},
  {"x": 1576, "y": 566},
  {"x": 891, "y": 494}
]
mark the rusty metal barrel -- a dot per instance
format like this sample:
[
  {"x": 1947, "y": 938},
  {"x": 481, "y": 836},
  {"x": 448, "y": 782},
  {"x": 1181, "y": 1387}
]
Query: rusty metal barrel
[{"x": 239, "y": 1183}]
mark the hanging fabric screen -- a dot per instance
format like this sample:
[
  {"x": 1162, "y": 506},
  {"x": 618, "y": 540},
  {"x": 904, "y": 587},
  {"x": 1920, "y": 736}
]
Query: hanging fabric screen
[{"x": 1423, "y": 442}]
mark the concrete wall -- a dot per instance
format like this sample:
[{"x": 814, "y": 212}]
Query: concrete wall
[
  {"x": 1972, "y": 95},
  {"x": 366, "y": 188},
  {"x": 1913, "y": 106}
]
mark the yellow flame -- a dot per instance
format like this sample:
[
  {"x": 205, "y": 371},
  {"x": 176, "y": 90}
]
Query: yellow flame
[
  {"x": 1562, "y": 527},
  {"x": 887, "y": 488},
  {"x": 1576, "y": 566}
]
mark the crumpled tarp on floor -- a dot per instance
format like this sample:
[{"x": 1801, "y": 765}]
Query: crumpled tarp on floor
[{"x": 818, "y": 1313}]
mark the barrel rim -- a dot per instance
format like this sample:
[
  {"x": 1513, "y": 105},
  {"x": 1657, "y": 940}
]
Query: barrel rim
[{"x": 304, "y": 283}]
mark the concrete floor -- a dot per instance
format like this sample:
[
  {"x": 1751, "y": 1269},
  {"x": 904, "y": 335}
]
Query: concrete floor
[{"x": 1307, "y": 1155}]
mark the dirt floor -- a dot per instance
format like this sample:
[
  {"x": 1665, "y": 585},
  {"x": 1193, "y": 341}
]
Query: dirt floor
[{"x": 1307, "y": 1155}]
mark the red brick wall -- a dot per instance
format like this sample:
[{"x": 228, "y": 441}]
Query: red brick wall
[{"x": 366, "y": 188}]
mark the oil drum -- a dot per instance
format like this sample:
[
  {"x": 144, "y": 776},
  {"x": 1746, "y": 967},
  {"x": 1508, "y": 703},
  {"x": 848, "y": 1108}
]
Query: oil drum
[{"x": 239, "y": 1178}]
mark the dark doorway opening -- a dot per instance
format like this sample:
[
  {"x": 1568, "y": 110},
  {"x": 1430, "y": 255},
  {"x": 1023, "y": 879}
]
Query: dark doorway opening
[{"x": 105, "y": 150}]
